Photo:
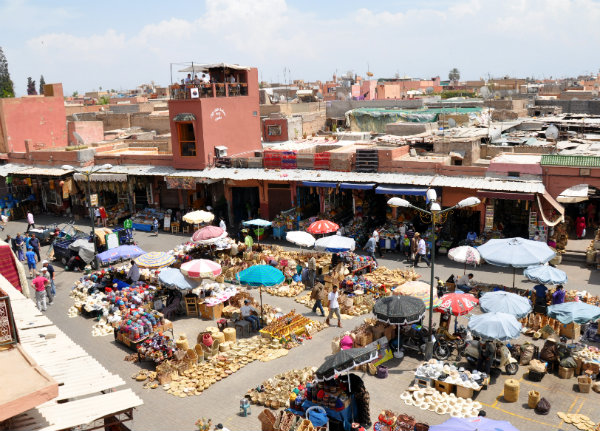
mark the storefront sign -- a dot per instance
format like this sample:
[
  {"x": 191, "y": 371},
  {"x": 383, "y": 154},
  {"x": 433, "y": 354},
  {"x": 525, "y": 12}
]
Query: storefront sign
[
  {"x": 112, "y": 240},
  {"x": 94, "y": 200},
  {"x": 489, "y": 217},
  {"x": 128, "y": 224},
  {"x": 185, "y": 183},
  {"x": 167, "y": 221}
]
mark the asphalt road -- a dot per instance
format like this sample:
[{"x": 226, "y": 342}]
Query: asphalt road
[{"x": 221, "y": 401}]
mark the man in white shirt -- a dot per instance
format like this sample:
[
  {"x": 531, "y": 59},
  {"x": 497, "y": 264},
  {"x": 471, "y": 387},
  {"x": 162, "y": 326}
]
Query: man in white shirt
[
  {"x": 134, "y": 272},
  {"x": 334, "y": 306},
  {"x": 246, "y": 312},
  {"x": 377, "y": 243},
  {"x": 465, "y": 283},
  {"x": 205, "y": 78},
  {"x": 421, "y": 250}
]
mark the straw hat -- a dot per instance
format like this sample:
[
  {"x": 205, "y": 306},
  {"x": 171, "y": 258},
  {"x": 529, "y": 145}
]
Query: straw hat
[
  {"x": 419, "y": 402},
  {"x": 431, "y": 407},
  {"x": 476, "y": 405},
  {"x": 456, "y": 413},
  {"x": 419, "y": 395},
  {"x": 405, "y": 395},
  {"x": 441, "y": 409},
  {"x": 413, "y": 388},
  {"x": 409, "y": 402}
]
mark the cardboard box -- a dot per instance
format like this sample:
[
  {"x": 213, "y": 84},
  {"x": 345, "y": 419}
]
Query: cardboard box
[
  {"x": 565, "y": 373},
  {"x": 390, "y": 332},
  {"x": 572, "y": 331}
]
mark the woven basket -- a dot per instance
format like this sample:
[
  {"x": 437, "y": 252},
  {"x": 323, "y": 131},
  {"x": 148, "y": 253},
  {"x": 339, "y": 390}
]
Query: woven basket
[
  {"x": 534, "y": 398},
  {"x": 511, "y": 390},
  {"x": 535, "y": 376}
]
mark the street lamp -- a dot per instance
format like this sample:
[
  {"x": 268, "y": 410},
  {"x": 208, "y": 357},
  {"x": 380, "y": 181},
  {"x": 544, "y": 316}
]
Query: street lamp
[
  {"x": 435, "y": 213},
  {"x": 88, "y": 173}
]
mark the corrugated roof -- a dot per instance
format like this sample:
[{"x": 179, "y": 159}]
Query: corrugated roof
[
  {"x": 145, "y": 170},
  {"x": 479, "y": 183},
  {"x": 567, "y": 160},
  {"x": 39, "y": 170}
]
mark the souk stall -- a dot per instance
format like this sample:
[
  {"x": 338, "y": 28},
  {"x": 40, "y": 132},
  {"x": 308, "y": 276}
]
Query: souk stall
[{"x": 144, "y": 220}]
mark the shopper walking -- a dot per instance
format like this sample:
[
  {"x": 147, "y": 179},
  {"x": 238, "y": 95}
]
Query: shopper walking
[
  {"x": 334, "y": 306},
  {"x": 30, "y": 221},
  {"x": 31, "y": 264},
  {"x": 39, "y": 284},
  {"x": 48, "y": 286},
  {"x": 421, "y": 250},
  {"x": 34, "y": 243},
  {"x": 19, "y": 247},
  {"x": 370, "y": 248},
  {"x": 318, "y": 294},
  {"x": 580, "y": 227},
  {"x": 48, "y": 266}
]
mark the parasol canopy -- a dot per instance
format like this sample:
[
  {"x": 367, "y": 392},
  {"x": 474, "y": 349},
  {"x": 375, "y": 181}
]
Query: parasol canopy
[
  {"x": 197, "y": 217},
  {"x": 495, "y": 326},
  {"x": 321, "y": 227},
  {"x": 335, "y": 243},
  {"x": 122, "y": 252},
  {"x": 345, "y": 360},
  {"x": 546, "y": 274},
  {"x": 516, "y": 252},
  {"x": 578, "y": 312},
  {"x": 173, "y": 278},
  {"x": 257, "y": 222},
  {"x": 301, "y": 238},
  {"x": 399, "y": 310},
  {"x": 473, "y": 424},
  {"x": 465, "y": 254},
  {"x": 418, "y": 289},
  {"x": 200, "y": 268},
  {"x": 155, "y": 259},
  {"x": 457, "y": 304},
  {"x": 208, "y": 234},
  {"x": 505, "y": 302},
  {"x": 261, "y": 275}
]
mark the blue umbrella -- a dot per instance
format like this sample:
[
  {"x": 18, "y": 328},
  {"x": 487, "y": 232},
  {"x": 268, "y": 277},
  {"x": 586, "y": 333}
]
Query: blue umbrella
[
  {"x": 495, "y": 326},
  {"x": 258, "y": 222},
  {"x": 515, "y": 253},
  {"x": 473, "y": 424},
  {"x": 260, "y": 275},
  {"x": 172, "y": 277},
  {"x": 578, "y": 312},
  {"x": 505, "y": 302},
  {"x": 335, "y": 243},
  {"x": 120, "y": 253},
  {"x": 546, "y": 274}
]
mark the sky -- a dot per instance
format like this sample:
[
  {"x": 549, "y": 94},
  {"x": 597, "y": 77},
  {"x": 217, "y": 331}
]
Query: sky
[{"x": 121, "y": 44}]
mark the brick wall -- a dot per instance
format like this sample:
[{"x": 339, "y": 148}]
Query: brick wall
[
  {"x": 160, "y": 123},
  {"x": 90, "y": 131}
]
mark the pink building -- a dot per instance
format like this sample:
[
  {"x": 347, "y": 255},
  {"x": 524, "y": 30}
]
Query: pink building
[{"x": 41, "y": 119}]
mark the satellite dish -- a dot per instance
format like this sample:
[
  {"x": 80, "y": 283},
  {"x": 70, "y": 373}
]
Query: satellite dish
[
  {"x": 551, "y": 132},
  {"x": 451, "y": 122},
  {"x": 485, "y": 92},
  {"x": 78, "y": 138}
]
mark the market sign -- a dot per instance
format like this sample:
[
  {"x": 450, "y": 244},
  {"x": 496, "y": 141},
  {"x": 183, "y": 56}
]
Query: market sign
[
  {"x": 112, "y": 240},
  {"x": 128, "y": 224},
  {"x": 94, "y": 200},
  {"x": 186, "y": 183}
]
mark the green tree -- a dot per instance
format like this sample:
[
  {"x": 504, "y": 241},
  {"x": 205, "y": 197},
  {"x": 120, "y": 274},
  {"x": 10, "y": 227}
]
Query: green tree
[
  {"x": 31, "y": 86},
  {"x": 75, "y": 94},
  {"x": 103, "y": 100},
  {"x": 42, "y": 83},
  {"x": 6, "y": 84},
  {"x": 454, "y": 74}
]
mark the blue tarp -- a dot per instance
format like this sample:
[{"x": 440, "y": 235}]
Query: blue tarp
[
  {"x": 357, "y": 186},
  {"x": 578, "y": 312},
  {"x": 319, "y": 184},
  {"x": 401, "y": 190}
]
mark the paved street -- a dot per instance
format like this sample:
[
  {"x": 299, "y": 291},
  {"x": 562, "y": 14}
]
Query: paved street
[{"x": 221, "y": 401}]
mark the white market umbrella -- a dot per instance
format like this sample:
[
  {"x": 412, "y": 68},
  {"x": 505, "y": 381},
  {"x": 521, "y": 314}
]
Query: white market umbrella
[
  {"x": 301, "y": 238},
  {"x": 465, "y": 254},
  {"x": 335, "y": 243}
]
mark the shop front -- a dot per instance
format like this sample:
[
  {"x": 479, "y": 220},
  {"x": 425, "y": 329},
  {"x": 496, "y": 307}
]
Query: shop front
[
  {"x": 506, "y": 214},
  {"x": 41, "y": 190},
  {"x": 415, "y": 195},
  {"x": 245, "y": 201},
  {"x": 112, "y": 192},
  {"x": 460, "y": 221}
]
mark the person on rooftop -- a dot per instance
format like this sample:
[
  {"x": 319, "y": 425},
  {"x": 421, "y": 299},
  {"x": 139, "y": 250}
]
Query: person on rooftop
[{"x": 188, "y": 79}]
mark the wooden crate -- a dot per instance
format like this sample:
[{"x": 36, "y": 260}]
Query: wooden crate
[
  {"x": 463, "y": 392},
  {"x": 444, "y": 387}
]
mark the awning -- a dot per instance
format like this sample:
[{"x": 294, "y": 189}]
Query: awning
[
  {"x": 572, "y": 195},
  {"x": 48, "y": 172},
  {"x": 357, "y": 186},
  {"x": 558, "y": 207},
  {"x": 319, "y": 184},
  {"x": 401, "y": 190},
  {"x": 457, "y": 154},
  {"x": 184, "y": 116},
  {"x": 505, "y": 195},
  {"x": 101, "y": 177}
]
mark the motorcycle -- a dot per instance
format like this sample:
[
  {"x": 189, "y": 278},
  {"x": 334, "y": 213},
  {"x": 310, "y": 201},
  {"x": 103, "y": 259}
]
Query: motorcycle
[
  {"x": 502, "y": 359},
  {"x": 444, "y": 347},
  {"x": 415, "y": 339}
]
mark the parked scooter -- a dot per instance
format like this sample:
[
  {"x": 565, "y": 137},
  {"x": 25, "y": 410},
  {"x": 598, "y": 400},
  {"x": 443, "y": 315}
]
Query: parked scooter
[
  {"x": 444, "y": 347},
  {"x": 415, "y": 338},
  {"x": 502, "y": 359}
]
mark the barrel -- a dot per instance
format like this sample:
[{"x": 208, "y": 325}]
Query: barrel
[
  {"x": 511, "y": 390},
  {"x": 229, "y": 334},
  {"x": 534, "y": 398}
]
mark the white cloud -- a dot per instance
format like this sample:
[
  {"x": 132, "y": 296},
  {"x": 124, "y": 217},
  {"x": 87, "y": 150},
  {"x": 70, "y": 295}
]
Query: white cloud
[{"x": 522, "y": 37}]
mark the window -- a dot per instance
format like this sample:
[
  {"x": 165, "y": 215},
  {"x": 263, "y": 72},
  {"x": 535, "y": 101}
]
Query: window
[
  {"x": 187, "y": 139},
  {"x": 274, "y": 130},
  {"x": 513, "y": 174}
]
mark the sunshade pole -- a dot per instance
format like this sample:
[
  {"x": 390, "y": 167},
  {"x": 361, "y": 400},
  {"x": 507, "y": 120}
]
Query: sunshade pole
[
  {"x": 514, "y": 275},
  {"x": 398, "y": 349},
  {"x": 261, "y": 303},
  {"x": 465, "y": 271}
]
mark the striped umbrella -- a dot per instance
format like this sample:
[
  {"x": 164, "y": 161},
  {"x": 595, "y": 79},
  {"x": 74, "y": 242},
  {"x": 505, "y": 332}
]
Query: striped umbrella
[
  {"x": 418, "y": 289},
  {"x": 322, "y": 227},
  {"x": 201, "y": 268},
  {"x": 155, "y": 259},
  {"x": 457, "y": 304}
]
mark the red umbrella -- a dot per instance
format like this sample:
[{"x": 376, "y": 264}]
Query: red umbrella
[
  {"x": 322, "y": 227},
  {"x": 456, "y": 304},
  {"x": 208, "y": 233}
]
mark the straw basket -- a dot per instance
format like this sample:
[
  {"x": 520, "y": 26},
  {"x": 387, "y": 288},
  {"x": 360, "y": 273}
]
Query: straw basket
[
  {"x": 229, "y": 334},
  {"x": 182, "y": 343},
  {"x": 534, "y": 398},
  {"x": 219, "y": 336},
  {"x": 511, "y": 390}
]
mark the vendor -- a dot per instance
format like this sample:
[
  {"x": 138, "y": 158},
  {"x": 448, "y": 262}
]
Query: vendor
[
  {"x": 249, "y": 313},
  {"x": 558, "y": 297},
  {"x": 248, "y": 240},
  {"x": 540, "y": 295},
  {"x": 487, "y": 351},
  {"x": 134, "y": 272},
  {"x": 465, "y": 283},
  {"x": 471, "y": 237}
]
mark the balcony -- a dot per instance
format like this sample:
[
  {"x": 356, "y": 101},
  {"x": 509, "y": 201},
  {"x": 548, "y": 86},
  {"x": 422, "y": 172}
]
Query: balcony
[{"x": 215, "y": 89}]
